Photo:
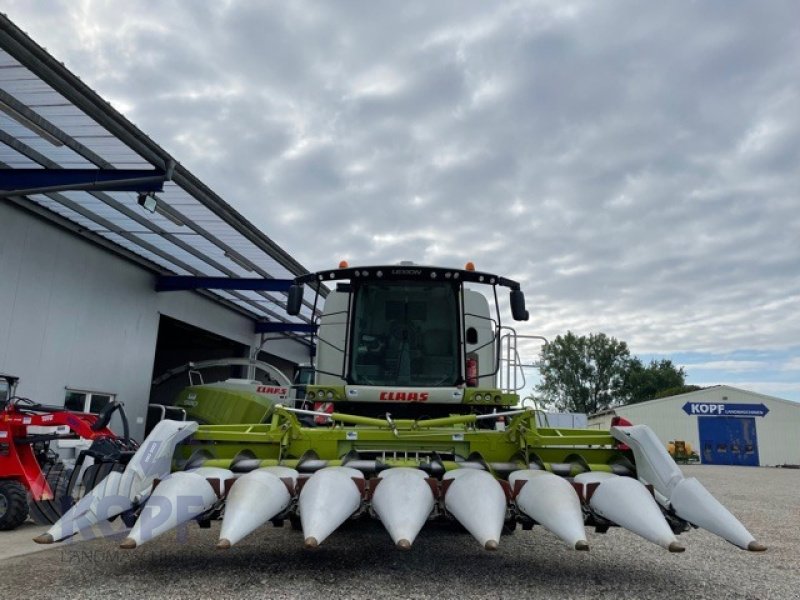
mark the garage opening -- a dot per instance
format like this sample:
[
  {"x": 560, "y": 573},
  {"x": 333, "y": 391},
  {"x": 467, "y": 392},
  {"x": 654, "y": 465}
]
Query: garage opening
[{"x": 180, "y": 343}]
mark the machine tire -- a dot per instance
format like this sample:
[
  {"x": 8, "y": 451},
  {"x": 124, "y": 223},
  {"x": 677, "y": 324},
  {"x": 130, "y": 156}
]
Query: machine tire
[
  {"x": 13, "y": 505},
  {"x": 47, "y": 512},
  {"x": 95, "y": 474}
]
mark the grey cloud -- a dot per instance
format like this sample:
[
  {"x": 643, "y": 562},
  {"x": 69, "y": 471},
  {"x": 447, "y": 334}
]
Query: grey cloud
[{"x": 634, "y": 166}]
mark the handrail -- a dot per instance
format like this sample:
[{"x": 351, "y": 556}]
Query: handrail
[
  {"x": 513, "y": 376},
  {"x": 400, "y": 424}
]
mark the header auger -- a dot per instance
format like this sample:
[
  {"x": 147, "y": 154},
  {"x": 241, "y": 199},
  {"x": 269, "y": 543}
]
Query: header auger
[{"x": 406, "y": 422}]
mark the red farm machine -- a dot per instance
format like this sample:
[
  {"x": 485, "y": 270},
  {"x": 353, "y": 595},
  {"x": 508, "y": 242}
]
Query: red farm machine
[{"x": 33, "y": 479}]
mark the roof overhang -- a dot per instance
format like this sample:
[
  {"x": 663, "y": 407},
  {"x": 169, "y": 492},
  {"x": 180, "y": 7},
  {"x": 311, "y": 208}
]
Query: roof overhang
[{"x": 67, "y": 155}]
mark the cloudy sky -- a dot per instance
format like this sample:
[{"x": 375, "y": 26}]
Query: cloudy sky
[{"x": 635, "y": 165}]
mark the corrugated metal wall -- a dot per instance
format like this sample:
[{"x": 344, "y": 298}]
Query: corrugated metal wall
[{"x": 73, "y": 315}]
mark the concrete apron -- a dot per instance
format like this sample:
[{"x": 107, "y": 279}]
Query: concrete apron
[{"x": 20, "y": 541}]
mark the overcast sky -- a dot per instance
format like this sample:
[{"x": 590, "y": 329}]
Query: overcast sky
[{"x": 635, "y": 165}]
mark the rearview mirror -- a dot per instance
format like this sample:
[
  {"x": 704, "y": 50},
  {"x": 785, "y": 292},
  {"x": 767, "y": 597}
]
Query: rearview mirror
[
  {"x": 295, "y": 300},
  {"x": 518, "y": 311}
]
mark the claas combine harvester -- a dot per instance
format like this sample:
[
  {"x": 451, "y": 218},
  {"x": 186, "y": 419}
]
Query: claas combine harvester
[{"x": 406, "y": 422}]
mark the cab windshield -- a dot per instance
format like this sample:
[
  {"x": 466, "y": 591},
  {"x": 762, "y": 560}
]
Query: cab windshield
[{"x": 405, "y": 334}]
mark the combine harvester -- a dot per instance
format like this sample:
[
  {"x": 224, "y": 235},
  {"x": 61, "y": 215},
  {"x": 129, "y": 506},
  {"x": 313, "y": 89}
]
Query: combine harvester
[{"x": 406, "y": 422}]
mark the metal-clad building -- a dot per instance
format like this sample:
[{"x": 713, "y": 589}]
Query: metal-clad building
[
  {"x": 100, "y": 229},
  {"x": 725, "y": 425}
]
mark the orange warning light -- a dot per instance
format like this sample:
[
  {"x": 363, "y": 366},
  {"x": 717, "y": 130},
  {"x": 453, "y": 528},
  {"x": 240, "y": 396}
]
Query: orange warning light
[
  {"x": 470, "y": 266},
  {"x": 343, "y": 264}
]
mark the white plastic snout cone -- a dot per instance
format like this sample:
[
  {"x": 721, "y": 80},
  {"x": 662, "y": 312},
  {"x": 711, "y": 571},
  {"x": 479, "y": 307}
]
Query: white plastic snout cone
[
  {"x": 403, "y": 501},
  {"x": 254, "y": 499},
  {"x": 694, "y": 503},
  {"x": 553, "y": 503},
  {"x": 326, "y": 501},
  {"x": 687, "y": 497},
  {"x": 626, "y": 502},
  {"x": 108, "y": 499},
  {"x": 179, "y": 498},
  {"x": 119, "y": 492},
  {"x": 478, "y": 502}
]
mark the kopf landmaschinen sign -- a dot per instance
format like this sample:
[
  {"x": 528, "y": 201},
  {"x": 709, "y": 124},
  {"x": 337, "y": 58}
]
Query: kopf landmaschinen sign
[{"x": 723, "y": 409}]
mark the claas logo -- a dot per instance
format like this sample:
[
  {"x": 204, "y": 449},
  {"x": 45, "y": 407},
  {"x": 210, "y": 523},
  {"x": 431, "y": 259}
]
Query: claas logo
[
  {"x": 392, "y": 396},
  {"x": 265, "y": 389}
]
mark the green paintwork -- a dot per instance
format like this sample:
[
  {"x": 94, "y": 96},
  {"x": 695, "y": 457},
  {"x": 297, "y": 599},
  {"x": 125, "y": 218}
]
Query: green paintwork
[
  {"x": 225, "y": 403},
  {"x": 482, "y": 396},
  {"x": 284, "y": 440},
  {"x": 492, "y": 397},
  {"x": 326, "y": 393}
]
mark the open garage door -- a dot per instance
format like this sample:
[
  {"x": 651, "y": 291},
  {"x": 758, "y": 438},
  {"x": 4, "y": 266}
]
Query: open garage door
[{"x": 180, "y": 343}]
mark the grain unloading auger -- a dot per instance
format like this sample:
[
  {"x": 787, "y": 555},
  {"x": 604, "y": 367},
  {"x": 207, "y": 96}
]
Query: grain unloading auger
[{"x": 406, "y": 423}]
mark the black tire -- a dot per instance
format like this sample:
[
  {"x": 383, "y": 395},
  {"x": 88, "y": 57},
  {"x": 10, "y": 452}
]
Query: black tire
[
  {"x": 94, "y": 474},
  {"x": 13, "y": 505},
  {"x": 47, "y": 512}
]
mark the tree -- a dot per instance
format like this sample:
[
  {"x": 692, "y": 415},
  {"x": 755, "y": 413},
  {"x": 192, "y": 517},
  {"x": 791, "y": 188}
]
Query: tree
[
  {"x": 645, "y": 383},
  {"x": 583, "y": 374}
]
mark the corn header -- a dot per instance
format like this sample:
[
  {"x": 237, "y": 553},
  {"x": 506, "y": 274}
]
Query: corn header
[{"x": 406, "y": 422}]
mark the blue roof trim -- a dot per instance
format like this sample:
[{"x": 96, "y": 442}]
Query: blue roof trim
[
  {"x": 174, "y": 283},
  {"x": 39, "y": 181}
]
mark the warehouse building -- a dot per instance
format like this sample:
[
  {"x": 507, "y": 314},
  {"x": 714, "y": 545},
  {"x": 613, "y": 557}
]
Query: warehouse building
[
  {"x": 723, "y": 424},
  {"x": 115, "y": 260}
]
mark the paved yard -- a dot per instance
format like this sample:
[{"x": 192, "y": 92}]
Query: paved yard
[{"x": 362, "y": 563}]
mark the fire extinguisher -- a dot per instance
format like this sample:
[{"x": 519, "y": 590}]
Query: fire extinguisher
[{"x": 472, "y": 370}]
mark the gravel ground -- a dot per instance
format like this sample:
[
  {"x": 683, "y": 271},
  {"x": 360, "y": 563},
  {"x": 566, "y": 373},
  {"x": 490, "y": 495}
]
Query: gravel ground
[{"x": 360, "y": 562}]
